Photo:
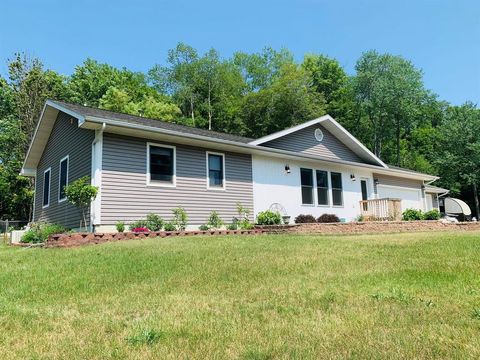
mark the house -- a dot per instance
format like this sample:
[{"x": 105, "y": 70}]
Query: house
[{"x": 143, "y": 165}]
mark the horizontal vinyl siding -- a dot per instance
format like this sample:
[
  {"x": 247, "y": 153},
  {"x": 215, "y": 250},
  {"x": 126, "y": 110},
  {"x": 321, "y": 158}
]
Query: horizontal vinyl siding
[
  {"x": 304, "y": 141},
  {"x": 398, "y": 181},
  {"x": 126, "y": 197},
  {"x": 66, "y": 139}
]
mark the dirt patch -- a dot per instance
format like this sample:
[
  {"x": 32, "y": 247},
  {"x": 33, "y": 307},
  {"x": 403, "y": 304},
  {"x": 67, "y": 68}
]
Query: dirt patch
[{"x": 77, "y": 239}]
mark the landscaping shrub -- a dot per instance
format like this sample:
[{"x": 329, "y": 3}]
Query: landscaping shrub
[
  {"x": 120, "y": 225},
  {"x": 140, "y": 229},
  {"x": 169, "y": 226},
  {"x": 203, "y": 227},
  {"x": 242, "y": 221},
  {"x": 232, "y": 226},
  {"x": 180, "y": 218},
  {"x": 138, "y": 224},
  {"x": 412, "y": 214},
  {"x": 432, "y": 215},
  {"x": 328, "y": 218},
  {"x": 214, "y": 220},
  {"x": 154, "y": 222},
  {"x": 269, "y": 217},
  {"x": 40, "y": 232},
  {"x": 304, "y": 219}
]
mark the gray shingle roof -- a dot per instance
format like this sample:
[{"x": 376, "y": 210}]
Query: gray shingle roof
[
  {"x": 132, "y": 119},
  {"x": 405, "y": 169}
]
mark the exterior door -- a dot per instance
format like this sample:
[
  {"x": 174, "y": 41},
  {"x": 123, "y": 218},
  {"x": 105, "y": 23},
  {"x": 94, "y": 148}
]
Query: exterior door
[{"x": 363, "y": 184}]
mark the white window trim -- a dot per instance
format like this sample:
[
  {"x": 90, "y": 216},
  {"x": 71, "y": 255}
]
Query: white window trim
[
  {"x": 314, "y": 187},
  {"x": 49, "y": 187},
  {"x": 60, "y": 200},
  {"x": 174, "y": 177},
  {"x": 224, "y": 184},
  {"x": 331, "y": 189},
  {"x": 328, "y": 190}
]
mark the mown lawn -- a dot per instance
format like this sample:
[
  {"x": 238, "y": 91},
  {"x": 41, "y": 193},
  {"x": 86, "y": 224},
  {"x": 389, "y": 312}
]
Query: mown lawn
[{"x": 265, "y": 297}]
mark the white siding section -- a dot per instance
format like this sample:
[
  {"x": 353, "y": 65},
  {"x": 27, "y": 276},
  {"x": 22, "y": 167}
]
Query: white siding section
[
  {"x": 271, "y": 184},
  {"x": 411, "y": 198}
]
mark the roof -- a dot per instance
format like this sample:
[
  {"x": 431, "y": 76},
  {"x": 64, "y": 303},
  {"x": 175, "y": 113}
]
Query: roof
[
  {"x": 87, "y": 111},
  {"x": 337, "y": 130},
  {"x": 129, "y": 125},
  {"x": 436, "y": 189}
]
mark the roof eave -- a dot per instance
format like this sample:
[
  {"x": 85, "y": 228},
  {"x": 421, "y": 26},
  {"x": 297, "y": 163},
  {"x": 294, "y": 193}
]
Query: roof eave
[{"x": 252, "y": 148}]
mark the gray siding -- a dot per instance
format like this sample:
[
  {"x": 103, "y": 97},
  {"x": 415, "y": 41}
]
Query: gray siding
[
  {"x": 66, "y": 139},
  {"x": 397, "y": 181},
  {"x": 304, "y": 141},
  {"x": 126, "y": 196}
]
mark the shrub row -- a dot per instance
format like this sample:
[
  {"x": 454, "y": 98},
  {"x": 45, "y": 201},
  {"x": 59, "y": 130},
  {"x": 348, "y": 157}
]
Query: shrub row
[
  {"x": 39, "y": 232},
  {"x": 325, "y": 218},
  {"x": 414, "y": 214}
]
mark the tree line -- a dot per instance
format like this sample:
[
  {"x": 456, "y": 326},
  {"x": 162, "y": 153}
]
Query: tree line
[{"x": 385, "y": 104}]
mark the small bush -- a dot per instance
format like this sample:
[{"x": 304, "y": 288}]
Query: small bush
[
  {"x": 269, "y": 217},
  {"x": 154, "y": 222},
  {"x": 432, "y": 215},
  {"x": 412, "y": 214},
  {"x": 180, "y": 218},
  {"x": 203, "y": 227},
  {"x": 232, "y": 226},
  {"x": 120, "y": 225},
  {"x": 40, "y": 232},
  {"x": 169, "y": 226},
  {"x": 328, "y": 218},
  {"x": 140, "y": 229},
  {"x": 304, "y": 219},
  {"x": 214, "y": 220},
  {"x": 138, "y": 224}
]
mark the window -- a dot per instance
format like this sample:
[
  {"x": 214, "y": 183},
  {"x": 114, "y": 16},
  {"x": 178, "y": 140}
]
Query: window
[
  {"x": 216, "y": 170},
  {"x": 306, "y": 178},
  {"x": 46, "y": 187},
  {"x": 63, "y": 179},
  {"x": 322, "y": 187},
  {"x": 161, "y": 165},
  {"x": 337, "y": 192}
]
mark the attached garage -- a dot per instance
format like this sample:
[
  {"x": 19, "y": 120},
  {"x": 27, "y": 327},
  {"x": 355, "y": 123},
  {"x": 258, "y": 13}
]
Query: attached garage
[{"x": 411, "y": 198}]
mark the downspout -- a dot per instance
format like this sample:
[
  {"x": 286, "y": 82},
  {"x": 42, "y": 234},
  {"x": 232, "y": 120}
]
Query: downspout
[{"x": 96, "y": 180}]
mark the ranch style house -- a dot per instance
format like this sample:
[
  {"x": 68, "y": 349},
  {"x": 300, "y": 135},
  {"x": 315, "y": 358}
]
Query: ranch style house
[{"x": 144, "y": 165}]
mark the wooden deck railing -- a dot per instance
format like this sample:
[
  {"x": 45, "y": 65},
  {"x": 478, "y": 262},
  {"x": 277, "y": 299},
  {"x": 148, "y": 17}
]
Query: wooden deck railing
[{"x": 381, "y": 209}]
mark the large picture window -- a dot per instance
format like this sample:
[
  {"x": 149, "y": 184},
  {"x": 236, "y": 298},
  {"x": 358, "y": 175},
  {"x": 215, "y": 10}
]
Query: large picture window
[
  {"x": 63, "y": 179},
  {"x": 337, "y": 189},
  {"x": 46, "y": 187},
  {"x": 306, "y": 178},
  {"x": 216, "y": 170},
  {"x": 161, "y": 165},
  {"x": 322, "y": 187}
]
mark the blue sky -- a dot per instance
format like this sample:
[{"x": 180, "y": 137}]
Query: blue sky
[{"x": 441, "y": 37}]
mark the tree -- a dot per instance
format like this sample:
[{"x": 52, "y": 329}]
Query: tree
[
  {"x": 179, "y": 78},
  {"x": 261, "y": 69},
  {"x": 390, "y": 92},
  {"x": 290, "y": 100},
  {"x": 81, "y": 194},
  {"x": 459, "y": 150}
]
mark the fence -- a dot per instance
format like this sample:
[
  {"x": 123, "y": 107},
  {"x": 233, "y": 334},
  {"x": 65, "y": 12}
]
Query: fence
[{"x": 8, "y": 225}]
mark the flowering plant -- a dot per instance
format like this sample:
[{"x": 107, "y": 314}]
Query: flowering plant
[{"x": 140, "y": 229}]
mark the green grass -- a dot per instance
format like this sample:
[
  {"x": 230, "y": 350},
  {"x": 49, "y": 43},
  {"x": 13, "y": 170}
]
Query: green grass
[{"x": 266, "y": 297}]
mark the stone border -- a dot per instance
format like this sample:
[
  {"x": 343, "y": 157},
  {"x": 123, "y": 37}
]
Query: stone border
[
  {"x": 76, "y": 239},
  {"x": 370, "y": 227}
]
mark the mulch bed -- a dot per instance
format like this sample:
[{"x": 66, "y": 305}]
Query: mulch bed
[{"x": 77, "y": 239}]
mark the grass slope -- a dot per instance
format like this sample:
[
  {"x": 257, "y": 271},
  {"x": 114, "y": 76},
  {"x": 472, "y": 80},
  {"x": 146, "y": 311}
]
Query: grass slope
[{"x": 386, "y": 296}]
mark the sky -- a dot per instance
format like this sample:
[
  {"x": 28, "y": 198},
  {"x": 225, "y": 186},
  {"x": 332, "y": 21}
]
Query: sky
[{"x": 440, "y": 37}]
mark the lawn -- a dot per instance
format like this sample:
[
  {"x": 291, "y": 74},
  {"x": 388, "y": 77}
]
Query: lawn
[{"x": 252, "y": 297}]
